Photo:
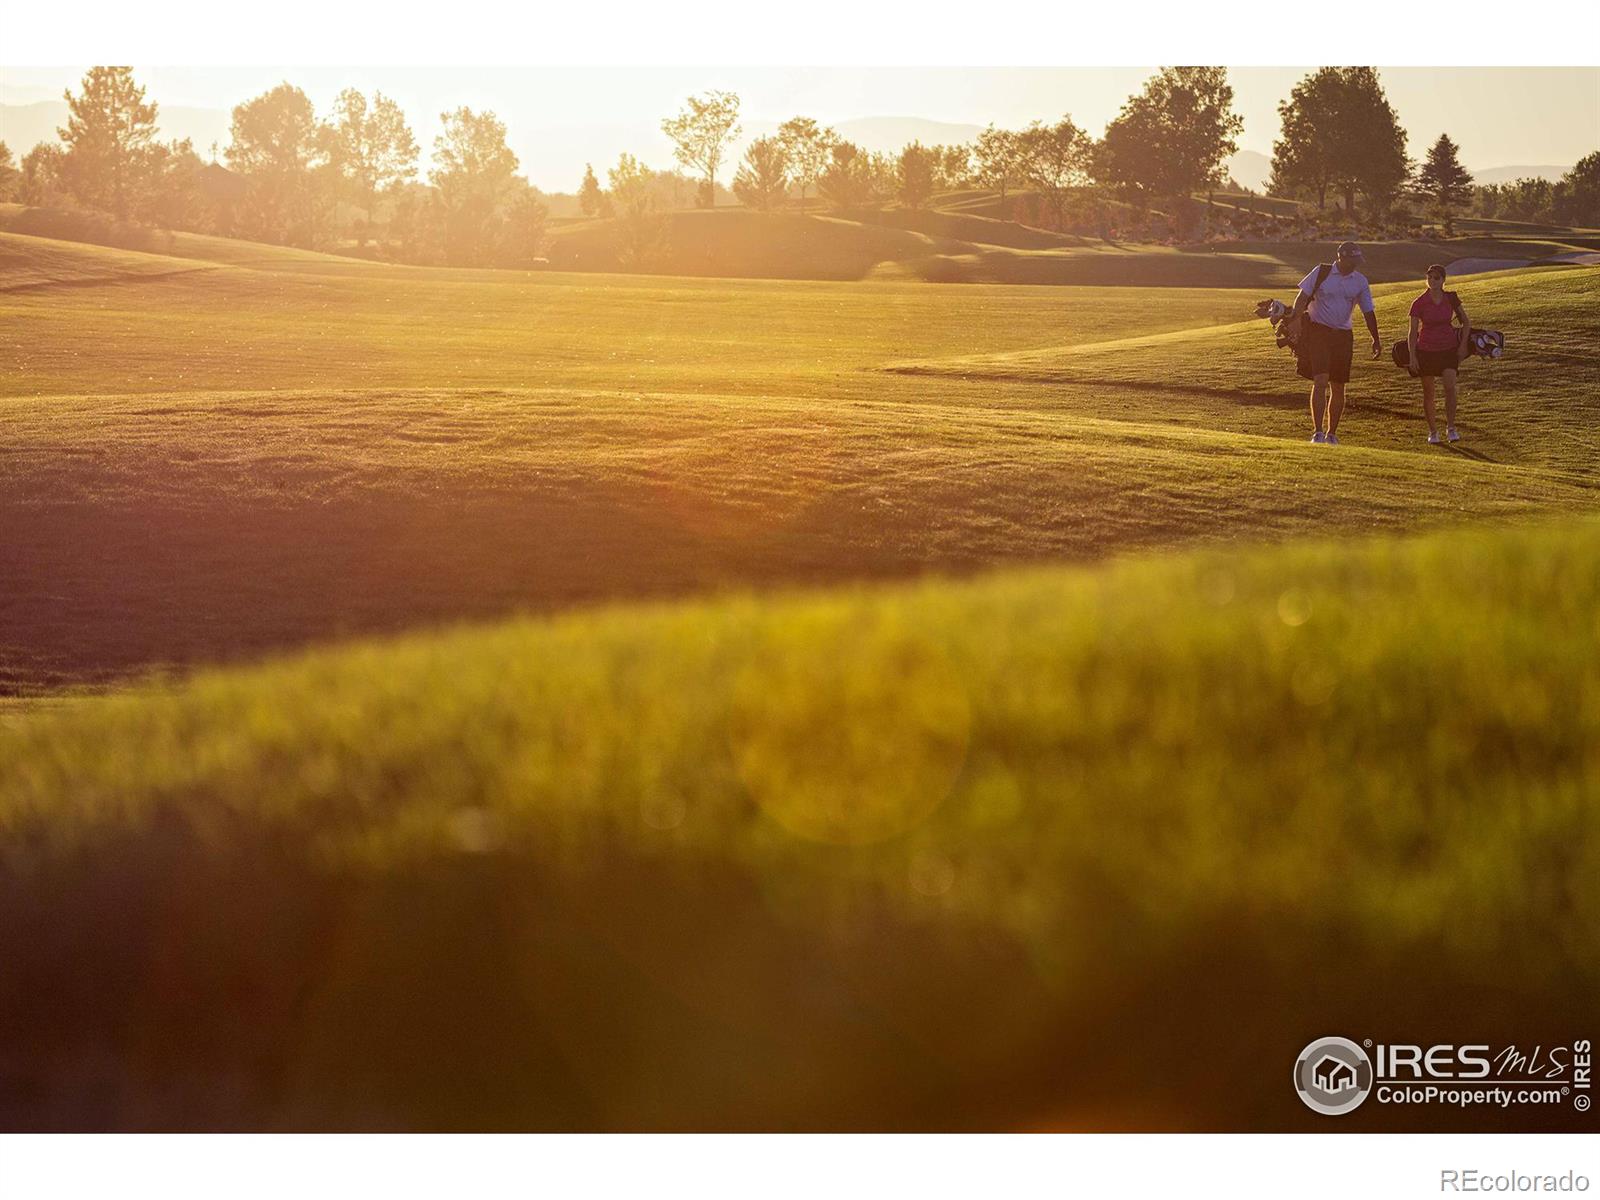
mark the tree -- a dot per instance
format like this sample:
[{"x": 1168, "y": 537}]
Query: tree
[
  {"x": 108, "y": 137},
  {"x": 1576, "y": 198},
  {"x": 521, "y": 234},
  {"x": 274, "y": 146},
  {"x": 642, "y": 231},
  {"x": 700, "y": 134},
  {"x": 1339, "y": 132},
  {"x": 10, "y": 177},
  {"x": 592, "y": 201},
  {"x": 174, "y": 199},
  {"x": 1442, "y": 182},
  {"x": 810, "y": 149},
  {"x": 372, "y": 149},
  {"x": 952, "y": 167},
  {"x": 914, "y": 174},
  {"x": 40, "y": 185},
  {"x": 763, "y": 177},
  {"x": 848, "y": 181},
  {"x": 998, "y": 157},
  {"x": 473, "y": 169},
  {"x": 1172, "y": 139},
  {"x": 1055, "y": 159}
]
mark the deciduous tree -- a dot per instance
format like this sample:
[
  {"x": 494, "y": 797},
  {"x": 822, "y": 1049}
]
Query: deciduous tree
[
  {"x": 275, "y": 144},
  {"x": 997, "y": 156},
  {"x": 1576, "y": 198},
  {"x": 914, "y": 174},
  {"x": 473, "y": 171},
  {"x": 810, "y": 148},
  {"x": 642, "y": 231},
  {"x": 10, "y": 177},
  {"x": 1172, "y": 139},
  {"x": 1340, "y": 133},
  {"x": 371, "y": 147},
  {"x": 701, "y": 134},
  {"x": 40, "y": 185},
  {"x": 1055, "y": 159}
]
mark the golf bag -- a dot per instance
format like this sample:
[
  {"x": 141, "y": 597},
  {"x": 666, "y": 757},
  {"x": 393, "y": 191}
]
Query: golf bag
[
  {"x": 1484, "y": 343},
  {"x": 1289, "y": 325}
]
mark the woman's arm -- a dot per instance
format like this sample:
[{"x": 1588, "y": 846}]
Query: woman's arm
[
  {"x": 1416, "y": 330},
  {"x": 1466, "y": 333}
]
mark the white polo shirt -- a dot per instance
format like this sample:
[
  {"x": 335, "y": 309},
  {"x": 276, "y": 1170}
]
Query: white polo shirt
[{"x": 1338, "y": 296}]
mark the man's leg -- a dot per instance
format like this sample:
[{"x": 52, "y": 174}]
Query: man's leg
[
  {"x": 1319, "y": 401},
  {"x": 1335, "y": 406}
]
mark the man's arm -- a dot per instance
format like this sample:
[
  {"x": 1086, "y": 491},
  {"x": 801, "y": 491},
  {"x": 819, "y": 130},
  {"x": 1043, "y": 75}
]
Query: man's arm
[{"x": 1371, "y": 318}]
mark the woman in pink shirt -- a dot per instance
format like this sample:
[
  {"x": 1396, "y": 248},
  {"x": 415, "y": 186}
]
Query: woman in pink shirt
[{"x": 1437, "y": 346}]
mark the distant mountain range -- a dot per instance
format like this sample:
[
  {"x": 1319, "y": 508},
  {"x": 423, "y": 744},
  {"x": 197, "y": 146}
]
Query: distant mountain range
[{"x": 555, "y": 155}]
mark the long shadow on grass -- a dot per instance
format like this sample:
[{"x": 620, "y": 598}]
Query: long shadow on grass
[{"x": 155, "y": 983}]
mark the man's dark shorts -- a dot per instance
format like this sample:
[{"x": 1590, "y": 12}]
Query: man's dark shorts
[{"x": 1327, "y": 352}]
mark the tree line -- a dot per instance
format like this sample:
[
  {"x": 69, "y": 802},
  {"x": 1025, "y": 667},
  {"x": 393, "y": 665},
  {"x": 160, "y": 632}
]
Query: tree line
[{"x": 296, "y": 178}]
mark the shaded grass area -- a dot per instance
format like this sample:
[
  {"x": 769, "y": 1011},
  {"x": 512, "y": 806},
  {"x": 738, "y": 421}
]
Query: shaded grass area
[
  {"x": 176, "y": 530},
  {"x": 937, "y": 856}
]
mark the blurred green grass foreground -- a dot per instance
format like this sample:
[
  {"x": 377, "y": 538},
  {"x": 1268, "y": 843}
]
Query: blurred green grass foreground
[{"x": 1061, "y": 848}]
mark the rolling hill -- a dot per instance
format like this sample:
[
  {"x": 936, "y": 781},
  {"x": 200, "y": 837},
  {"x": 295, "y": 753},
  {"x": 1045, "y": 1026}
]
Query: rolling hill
[{"x": 471, "y": 700}]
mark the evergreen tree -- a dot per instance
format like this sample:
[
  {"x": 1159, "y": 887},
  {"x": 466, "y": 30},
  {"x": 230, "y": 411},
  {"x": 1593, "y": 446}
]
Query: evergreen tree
[
  {"x": 108, "y": 140},
  {"x": 763, "y": 177},
  {"x": 592, "y": 201},
  {"x": 1442, "y": 182}
]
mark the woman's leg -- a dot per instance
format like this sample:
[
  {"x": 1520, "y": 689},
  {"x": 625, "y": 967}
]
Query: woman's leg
[
  {"x": 1450, "y": 397},
  {"x": 1427, "y": 402}
]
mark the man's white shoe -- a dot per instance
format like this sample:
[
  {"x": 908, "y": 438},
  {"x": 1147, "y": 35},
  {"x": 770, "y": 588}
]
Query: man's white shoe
[
  {"x": 1452, "y": 434},
  {"x": 1433, "y": 437},
  {"x": 1331, "y": 440},
  {"x": 1319, "y": 437}
]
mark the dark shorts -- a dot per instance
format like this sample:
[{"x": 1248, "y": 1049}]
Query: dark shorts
[
  {"x": 1436, "y": 362},
  {"x": 1327, "y": 352}
]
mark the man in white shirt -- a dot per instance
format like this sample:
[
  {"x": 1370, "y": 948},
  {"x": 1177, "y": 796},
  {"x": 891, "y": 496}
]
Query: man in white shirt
[{"x": 1329, "y": 343}]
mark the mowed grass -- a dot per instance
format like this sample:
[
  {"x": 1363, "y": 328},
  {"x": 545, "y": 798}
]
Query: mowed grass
[
  {"x": 992, "y": 854},
  {"x": 210, "y": 466},
  {"x": 1537, "y": 407}
]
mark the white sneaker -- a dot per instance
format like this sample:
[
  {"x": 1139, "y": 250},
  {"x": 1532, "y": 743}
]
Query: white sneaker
[
  {"x": 1452, "y": 434},
  {"x": 1433, "y": 437},
  {"x": 1319, "y": 437},
  {"x": 1331, "y": 440}
]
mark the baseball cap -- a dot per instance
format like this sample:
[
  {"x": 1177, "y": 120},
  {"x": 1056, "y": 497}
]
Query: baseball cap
[{"x": 1349, "y": 249}]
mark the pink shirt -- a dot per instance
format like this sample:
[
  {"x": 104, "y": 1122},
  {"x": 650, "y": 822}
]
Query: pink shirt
[{"x": 1437, "y": 331}]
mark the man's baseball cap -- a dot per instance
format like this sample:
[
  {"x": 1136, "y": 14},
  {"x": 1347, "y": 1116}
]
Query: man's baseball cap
[{"x": 1349, "y": 250}]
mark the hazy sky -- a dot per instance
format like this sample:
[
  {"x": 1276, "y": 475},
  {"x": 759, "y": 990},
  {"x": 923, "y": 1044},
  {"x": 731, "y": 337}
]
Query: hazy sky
[{"x": 560, "y": 117}]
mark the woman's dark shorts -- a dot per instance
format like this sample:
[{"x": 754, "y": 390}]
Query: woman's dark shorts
[
  {"x": 1327, "y": 351},
  {"x": 1436, "y": 362}
]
